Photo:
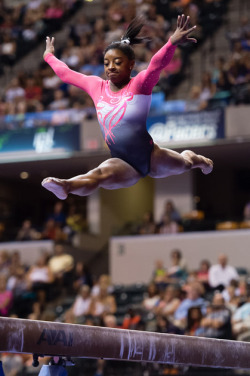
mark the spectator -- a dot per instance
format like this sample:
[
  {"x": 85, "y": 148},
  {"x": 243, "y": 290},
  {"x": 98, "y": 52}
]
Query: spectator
[
  {"x": 168, "y": 226},
  {"x": 163, "y": 325},
  {"x": 104, "y": 279},
  {"x": 81, "y": 276},
  {"x": 131, "y": 320},
  {"x": 14, "y": 92},
  {"x": 169, "y": 303},
  {"x": 152, "y": 298},
  {"x": 194, "y": 298},
  {"x": 241, "y": 318},
  {"x": 148, "y": 225},
  {"x": 203, "y": 273},
  {"x": 176, "y": 272},
  {"x": 81, "y": 305},
  {"x": 60, "y": 102},
  {"x": 221, "y": 274},
  {"x": 231, "y": 295},
  {"x": 4, "y": 262},
  {"x": 159, "y": 275},
  {"x": 40, "y": 278},
  {"x": 217, "y": 323},
  {"x": 58, "y": 214},
  {"x": 171, "y": 210},
  {"x": 6, "y": 297},
  {"x": 61, "y": 265},
  {"x": 102, "y": 304},
  {"x": 27, "y": 232},
  {"x": 193, "y": 321}
]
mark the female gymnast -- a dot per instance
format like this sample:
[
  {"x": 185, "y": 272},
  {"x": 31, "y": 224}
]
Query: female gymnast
[{"x": 122, "y": 104}]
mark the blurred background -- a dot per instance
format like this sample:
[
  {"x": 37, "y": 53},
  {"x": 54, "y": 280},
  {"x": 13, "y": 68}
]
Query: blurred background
[{"x": 168, "y": 255}]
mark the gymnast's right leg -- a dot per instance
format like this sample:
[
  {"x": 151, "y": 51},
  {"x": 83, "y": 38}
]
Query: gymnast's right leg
[{"x": 113, "y": 173}]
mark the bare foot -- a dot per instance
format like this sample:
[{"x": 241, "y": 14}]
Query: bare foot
[
  {"x": 198, "y": 161},
  {"x": 209, "y": 166},
  {"x": 56, "y": 186}
]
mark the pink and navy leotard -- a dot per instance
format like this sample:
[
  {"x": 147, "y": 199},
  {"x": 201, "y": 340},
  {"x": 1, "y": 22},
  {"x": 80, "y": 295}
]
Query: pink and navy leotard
[{"x": 122, "y": 115}]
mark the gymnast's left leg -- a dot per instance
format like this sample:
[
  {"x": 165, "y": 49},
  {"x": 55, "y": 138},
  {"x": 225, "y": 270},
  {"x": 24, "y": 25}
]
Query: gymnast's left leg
[
  {"x": 166, "y": 162},
  {"x": 114, "y": 173}
]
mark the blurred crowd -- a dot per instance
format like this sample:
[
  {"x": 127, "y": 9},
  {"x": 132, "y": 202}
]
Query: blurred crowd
[
  {"x": 229, "y": 80},
  {"x": 211, "y": 301},
  {"x": 60, "y": 222},
  {"x": 83, "y": 50}
]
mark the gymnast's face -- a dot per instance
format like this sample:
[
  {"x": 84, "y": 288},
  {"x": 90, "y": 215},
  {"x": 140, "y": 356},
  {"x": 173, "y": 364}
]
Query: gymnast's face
[{"x": 117, "y": 67}]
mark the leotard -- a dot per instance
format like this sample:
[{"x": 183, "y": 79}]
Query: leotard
[{"x": 122, "y": 115}]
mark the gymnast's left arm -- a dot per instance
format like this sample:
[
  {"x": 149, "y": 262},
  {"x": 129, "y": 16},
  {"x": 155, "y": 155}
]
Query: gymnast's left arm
[{"x": 149, "y": 77}]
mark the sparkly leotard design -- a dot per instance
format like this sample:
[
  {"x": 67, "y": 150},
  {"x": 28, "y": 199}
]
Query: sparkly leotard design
[{"x": 122, "y": 115}]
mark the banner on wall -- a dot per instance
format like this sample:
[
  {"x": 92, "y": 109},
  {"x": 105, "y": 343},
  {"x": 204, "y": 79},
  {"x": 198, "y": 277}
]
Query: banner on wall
[
  {"x": 187, "y": 127},
  {"x": 39, "y": 143}
]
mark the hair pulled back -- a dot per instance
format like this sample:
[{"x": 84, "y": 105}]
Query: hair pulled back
[{"x": 130, "y": 38}]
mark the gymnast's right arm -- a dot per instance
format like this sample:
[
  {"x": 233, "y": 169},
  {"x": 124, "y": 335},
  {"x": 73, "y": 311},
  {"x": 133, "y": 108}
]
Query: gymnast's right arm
[{"x": 67, "y": 75}]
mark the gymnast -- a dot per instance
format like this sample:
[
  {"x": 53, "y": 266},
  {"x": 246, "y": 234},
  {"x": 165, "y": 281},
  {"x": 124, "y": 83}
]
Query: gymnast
[{"x": 122, "y": 105}]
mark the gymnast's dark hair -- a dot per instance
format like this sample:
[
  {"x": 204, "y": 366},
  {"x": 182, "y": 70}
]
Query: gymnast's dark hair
[{"x": 129, "y": 38}]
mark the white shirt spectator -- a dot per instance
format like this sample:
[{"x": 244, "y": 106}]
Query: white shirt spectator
[
  {"x": 81, "y": 306},
  {"x": 219, "y": 275}
]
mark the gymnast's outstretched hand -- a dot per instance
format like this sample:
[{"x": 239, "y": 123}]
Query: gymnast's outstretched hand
[
  {"x": 181, "y": 34},
  {"x": 49, "y": 46}
]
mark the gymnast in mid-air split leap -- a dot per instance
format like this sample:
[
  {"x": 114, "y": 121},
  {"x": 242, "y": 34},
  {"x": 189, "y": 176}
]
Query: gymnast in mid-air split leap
[{"x": 122, "y": 105}]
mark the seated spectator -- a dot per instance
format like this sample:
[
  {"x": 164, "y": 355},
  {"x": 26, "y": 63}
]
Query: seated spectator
[
  {"x": 33, "y": 91},
  {"x": 232, "y": 293},
  {"x": 169, "y": 74},
  {"x": 40, "y": 278},
  {"x": 61, "y": 265},
  {"x": 103, "y": 280},
  {"x": 203, "y": 273},
  {"x": 148, "y": 225},
  {"x": 109, "y": 321},
  {"x": 152, "y": 297},
  {"x": 93, "y": 68},
  {"x": 217, "y": 322},
  {"x": 14, "y": 92},
  {"x": 208, "y": 89},
  {"x": 171, "y": 210},
  {"x": 176, "y": 272},
  {"x": 131, "y": 320},
  {"x": 58, "y": 214},
  {"x": 4, "y": 262},
  {"x": 75, "y": 221},
  {"x": 194, "y": 298},
  {"x": 221, "y": 274},
  {"x": 23, "y": 297},
  {"x": 169, "y": 303},
  {"x": 6, "y": 297},
  {"x": 81, "y": 276},
  {"x": 8, "y": 49},
  {"x": 54, "y": 11},
  {"x": 163, "y": 325},
  {"x": 60, "y": 102},
  {"x": 81, "y": 305},
  {"x": 159, "y": 275},
  {"x": 168, "y": 226},
  {"x": 193, "y": 321},
  {"x": 53, "y": 231},
  {"x": 103, "y": 303},
  {"x": 27, "y": 232},
  {"x": 241, "y": 318}
]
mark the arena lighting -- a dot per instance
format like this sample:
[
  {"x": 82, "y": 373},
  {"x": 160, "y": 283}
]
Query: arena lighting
[{"x": 24, "y": 175}]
